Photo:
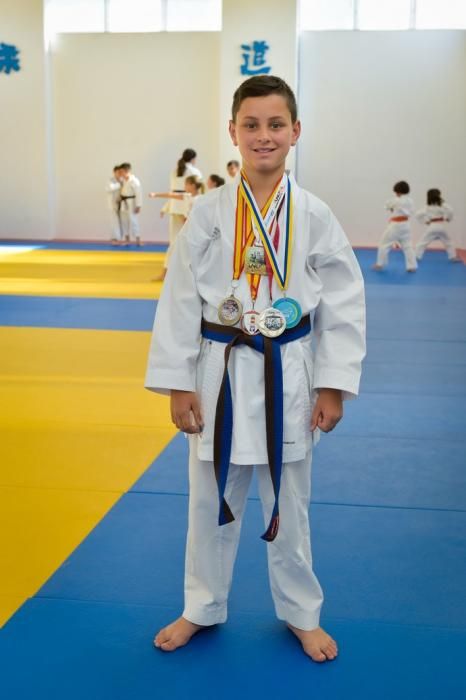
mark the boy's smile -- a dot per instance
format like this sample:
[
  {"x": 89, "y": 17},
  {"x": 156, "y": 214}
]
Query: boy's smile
[{"x": 264, "y": 133}]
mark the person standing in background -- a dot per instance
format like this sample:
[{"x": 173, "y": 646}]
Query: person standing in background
[
  {"x": 131, "y": 202},
  {"x": 113, "y": 189},
  {"x": 175, "y": 207},
  {"x": 398, "y": 230},
  {"x": 437, "y": 214}
]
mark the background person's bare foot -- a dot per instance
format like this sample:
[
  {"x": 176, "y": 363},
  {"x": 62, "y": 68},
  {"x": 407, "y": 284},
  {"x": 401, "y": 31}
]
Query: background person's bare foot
[
  {"x": 377, "y": 267},
  {"x": 176, "y": 635},
  {"x": 316, "y": 643}
]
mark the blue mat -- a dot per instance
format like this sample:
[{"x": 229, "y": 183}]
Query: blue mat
[
  {"x": 352, "y": 471},
  {"x": 71, "y": 312},
  {"x": 433, "y": 269},
  {"x": 79, "y": 650},
  {"x": 370, "y": 568}
]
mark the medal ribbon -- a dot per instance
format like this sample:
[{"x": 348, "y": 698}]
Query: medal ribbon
[
  {"x": 245, "y": 228},
  {"x": 281, "y": 268}
]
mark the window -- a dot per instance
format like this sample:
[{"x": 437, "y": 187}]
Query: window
[
  {"x": 383, "y": 14},
  {"x": 447, "y": 14},
  {"x": 194, "y": 15},
  {"x": 74, "y": 16},
  {"x": 326, "y": 14},
  {"x": 132, "y": 16}
]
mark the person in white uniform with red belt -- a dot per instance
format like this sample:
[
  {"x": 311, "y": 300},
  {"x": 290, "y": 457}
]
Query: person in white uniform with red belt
[
  {"x": 437, "y": 214},
  {"x": 398, "y": 231}
]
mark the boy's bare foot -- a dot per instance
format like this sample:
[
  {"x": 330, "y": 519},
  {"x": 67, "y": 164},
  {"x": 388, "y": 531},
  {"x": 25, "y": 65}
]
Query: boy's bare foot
[
  {"x": 316, "y": 643},
  {"x": 176, "y": 635}
]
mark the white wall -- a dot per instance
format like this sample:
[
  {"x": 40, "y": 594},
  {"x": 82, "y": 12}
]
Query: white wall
[
  {"x": 378, "y": 107},
  {"x": 137, "y": 97},
  {"x": 244, "y": 21},
  {"x": 23, "y": 151}
]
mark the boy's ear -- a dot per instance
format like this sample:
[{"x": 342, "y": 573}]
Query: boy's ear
[
  {"x": 296, "y": 132},
  {"x": 232, "y": 130}
]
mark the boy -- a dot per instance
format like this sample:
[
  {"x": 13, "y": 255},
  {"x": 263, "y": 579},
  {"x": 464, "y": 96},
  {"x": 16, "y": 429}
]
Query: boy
[
  {"x": 232, "y": 169},
  {"x": 269, "y": 406},
  {"x": 130, "y": 205},
  {"x": 113, "y": 198}
]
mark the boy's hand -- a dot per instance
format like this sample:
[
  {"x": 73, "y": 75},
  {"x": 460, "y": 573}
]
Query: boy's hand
[
  {"x": 186, "y": 411},
  {"x": 328, "y": 410},
  {"x": 137, "y": 210}
]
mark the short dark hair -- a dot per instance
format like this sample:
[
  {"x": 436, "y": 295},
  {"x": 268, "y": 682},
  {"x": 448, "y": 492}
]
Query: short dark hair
[
  {"x": 401, "y": 187},
  {"x": 233, "y": 162},
  {"x": 434, "y": 196},
  {"x": 125, "y": 166},
  {"x": 261, "y": 86},
  {"x": 117, "y": 167}
]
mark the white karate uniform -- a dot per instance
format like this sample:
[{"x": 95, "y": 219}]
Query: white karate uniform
[
  {"x": 398, "y": 232},
  {"x": 435, "y": 230},
  {"x": 128, "y": 216},
  {"x": 113, "y": 200},
  {"x": 177, "y": 209},
  {"x": 327, "y": 282}
]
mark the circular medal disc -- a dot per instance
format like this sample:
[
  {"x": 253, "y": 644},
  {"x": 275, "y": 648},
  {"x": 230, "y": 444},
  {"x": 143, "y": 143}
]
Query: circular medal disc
[
  {"x": 291, "y": 310},
  {"x": 272, "y": 322},
  {"x": 230, "y": 310},
  {"x": 250, "y": 322}
]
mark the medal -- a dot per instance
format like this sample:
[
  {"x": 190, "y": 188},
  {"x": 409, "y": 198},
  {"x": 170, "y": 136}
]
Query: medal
[
  {"x": 271, "y": 322},
  {"x": 254, "y": 260},
  {"x": 230, "y": 310},
  {"x": 290, "y": 309},
  {"x": 250, "y": 322}
]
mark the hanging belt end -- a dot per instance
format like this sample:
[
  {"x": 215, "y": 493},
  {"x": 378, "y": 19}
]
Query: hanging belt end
[{"x": 272, "y": 530}]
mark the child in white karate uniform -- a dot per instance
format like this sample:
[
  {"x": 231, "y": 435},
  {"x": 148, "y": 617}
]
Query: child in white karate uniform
[
  {"x": 248, "y": 398},
  {"x": 436, "y": 215},
  {"x": 113, "y": 189},
  {"x": 398, "y": 230},
  {"x": 175, "y": 206},
  {"x": 131, "y": 202}
]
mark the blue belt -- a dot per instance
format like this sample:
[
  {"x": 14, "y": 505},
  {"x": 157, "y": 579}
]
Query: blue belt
[{"x": 273, "y": 379}]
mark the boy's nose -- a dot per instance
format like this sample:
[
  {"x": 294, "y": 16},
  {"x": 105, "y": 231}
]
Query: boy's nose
[{"x": 263, "y": 136}]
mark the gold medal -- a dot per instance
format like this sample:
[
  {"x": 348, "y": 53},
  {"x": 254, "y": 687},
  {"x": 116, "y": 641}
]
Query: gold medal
[
  {"x": 230, "y": 310},
  {"x": 254, "y": 260},
  {"x": 271, "y": 322}
]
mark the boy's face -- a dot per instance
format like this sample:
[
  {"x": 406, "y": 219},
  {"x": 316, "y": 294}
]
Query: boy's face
[
  {"x": 264, "y": 133},
  {"x": 232, "y": 169}
]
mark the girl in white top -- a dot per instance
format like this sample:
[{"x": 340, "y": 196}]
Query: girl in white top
[
  {"x": 398, "y": 231},
  {"x": 193, "y": 188},
  {"x": 175, "y": 208},
  {"x": 436, "y": 215}
]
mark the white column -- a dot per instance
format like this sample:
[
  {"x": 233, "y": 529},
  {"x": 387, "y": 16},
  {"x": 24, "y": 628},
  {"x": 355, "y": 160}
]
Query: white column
[
  {"x": 24, "y": 206},
  {"x": 272, "y": 21}
]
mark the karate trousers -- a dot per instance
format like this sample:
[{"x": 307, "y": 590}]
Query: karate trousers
[
  {"x": 397, "y": 232},
  {"x": 432, "y": 235},
  {"x": 211, "y": 549},
  {"x": 129, "y": 224},
  {"x": 116, "y": 225},
  {"x": 175, "y": 224}
]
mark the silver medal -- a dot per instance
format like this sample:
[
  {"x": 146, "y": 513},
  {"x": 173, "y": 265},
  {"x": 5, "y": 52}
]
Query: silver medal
[
  {"x": 230, "y": 310},
  {"x": 271, "y": 322}
]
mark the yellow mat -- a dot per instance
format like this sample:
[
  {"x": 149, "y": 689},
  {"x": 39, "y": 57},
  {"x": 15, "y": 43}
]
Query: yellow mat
[
  {"x": 78, "y": 429},
  {"x": 118, "y": 274}
]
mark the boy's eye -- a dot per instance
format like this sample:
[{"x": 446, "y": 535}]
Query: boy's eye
[
  {"x": 250, "y": 125},
  {"x": 276, "y": 125}
]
